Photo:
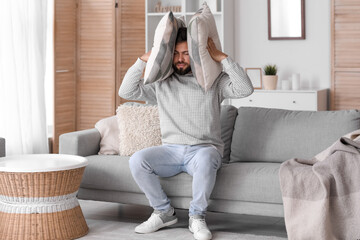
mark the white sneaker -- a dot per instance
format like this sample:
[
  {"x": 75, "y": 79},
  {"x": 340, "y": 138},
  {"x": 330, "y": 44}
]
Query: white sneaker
[
  {"x": 157, "y": 220},
  {"x": 198, "y": 227}
]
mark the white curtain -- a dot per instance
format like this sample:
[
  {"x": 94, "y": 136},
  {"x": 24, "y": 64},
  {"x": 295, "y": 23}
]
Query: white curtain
[{"x": 22, "y": 70}]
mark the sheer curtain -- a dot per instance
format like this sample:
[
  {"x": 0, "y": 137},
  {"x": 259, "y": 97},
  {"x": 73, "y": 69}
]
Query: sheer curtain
[{"x": 22, "y": 70}]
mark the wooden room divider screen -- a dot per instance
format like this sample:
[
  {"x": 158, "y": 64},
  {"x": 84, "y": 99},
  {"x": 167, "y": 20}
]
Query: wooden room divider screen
[
  {"x": 345, "y": 54},
  {"x": 95, "y": 43}
]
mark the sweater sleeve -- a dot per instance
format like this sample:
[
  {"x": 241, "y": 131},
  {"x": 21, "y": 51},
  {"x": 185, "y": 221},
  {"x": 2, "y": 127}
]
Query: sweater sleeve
[
  {"x": 234, "y": 82},
  {"x": 133, "y": 88}
]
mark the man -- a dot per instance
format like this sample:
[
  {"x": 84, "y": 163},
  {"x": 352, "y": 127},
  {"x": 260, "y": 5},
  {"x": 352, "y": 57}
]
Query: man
[{"x": 190, "y": 129}]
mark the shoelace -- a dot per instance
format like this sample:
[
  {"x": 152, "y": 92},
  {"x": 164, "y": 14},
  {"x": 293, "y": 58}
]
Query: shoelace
[{"x": 199, "y": 224}]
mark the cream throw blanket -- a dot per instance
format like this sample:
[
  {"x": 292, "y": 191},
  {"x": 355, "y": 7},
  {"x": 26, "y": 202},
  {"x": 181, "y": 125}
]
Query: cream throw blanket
[{"x": 322, "y": 196}]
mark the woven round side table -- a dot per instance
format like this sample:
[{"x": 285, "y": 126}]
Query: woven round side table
[{"x": 38, "y": 197}]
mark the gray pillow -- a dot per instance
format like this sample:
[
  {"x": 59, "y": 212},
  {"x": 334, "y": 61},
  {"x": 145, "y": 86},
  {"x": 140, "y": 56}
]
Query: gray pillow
[
  {"x": 159, "y": 64},
  {"x": 276, "y": 135},
  {"x": 227, "y": 118}
]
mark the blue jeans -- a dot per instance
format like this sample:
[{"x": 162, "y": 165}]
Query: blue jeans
[{"x": 200, "y": 161}]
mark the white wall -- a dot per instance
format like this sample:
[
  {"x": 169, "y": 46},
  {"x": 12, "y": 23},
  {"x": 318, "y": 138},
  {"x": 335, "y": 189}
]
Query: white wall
[{"x": 309, "y": 57}]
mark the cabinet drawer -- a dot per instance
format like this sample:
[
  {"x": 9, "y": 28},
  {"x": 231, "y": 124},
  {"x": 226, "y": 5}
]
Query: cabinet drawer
[{"x": 283, "y": 100}]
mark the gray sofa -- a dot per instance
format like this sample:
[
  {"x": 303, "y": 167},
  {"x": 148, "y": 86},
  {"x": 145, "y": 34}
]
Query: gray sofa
[
  {"x": 257, "y": 141},
  {"x": 2, "y": 147}
]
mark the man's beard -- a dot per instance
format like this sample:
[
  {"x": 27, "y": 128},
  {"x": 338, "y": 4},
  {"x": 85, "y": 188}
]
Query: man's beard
[{"x": 181, "y": 71}]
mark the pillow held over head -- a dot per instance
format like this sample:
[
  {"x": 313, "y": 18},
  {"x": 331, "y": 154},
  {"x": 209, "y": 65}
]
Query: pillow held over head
[
  {"x": 139, "y": 127},
  {"x": 159, "y": 64},
  {"x": 202, "y": 26}
]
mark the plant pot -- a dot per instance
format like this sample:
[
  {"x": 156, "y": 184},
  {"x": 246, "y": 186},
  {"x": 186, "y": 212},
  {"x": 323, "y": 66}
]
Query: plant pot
[{"x": 270, "y": 82}]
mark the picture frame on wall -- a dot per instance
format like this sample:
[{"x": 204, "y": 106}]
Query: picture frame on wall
[{"x": 255, "y": 75}]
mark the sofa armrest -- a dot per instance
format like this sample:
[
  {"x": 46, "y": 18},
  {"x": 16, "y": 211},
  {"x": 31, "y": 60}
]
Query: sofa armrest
[
  {"x": 82, "y": 143},
  {"x": 2, "y": 147}
]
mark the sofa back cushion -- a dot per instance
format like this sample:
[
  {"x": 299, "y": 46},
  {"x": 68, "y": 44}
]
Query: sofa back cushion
[
  {"x": 276, "y": 135},
  {"x": 227, "y": 118}
]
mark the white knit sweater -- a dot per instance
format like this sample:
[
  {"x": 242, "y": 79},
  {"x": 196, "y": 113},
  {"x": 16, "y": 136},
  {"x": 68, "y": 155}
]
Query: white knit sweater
[{"x": 188, "y": 114}]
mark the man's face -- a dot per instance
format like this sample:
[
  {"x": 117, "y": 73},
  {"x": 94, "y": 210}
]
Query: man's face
[{"x": 181, "y": 60}]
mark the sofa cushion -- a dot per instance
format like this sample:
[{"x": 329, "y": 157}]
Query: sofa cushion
[
  {"x": 227, "y": 118},
  {"x": 252, "y": 182},
  {"x": 202, "y": 26},
  {"x": 111, "y": 172},
  {"x": 276, "y": 135},
  {"x": 255, "y": 182},
  {"x": 159, "y": 64}
]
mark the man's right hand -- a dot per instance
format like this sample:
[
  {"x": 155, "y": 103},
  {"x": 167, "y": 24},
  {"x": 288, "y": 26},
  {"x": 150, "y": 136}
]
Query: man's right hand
[{"x": 146, "y": 56}]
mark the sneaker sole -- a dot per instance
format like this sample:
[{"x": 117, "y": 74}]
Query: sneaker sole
[{"x": 162, "y": 226}]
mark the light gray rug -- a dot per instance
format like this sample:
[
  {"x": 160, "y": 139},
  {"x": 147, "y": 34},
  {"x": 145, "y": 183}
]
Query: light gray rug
[
  {"x": 113, "y": 221},
  {"x": 106, "y": 230}
]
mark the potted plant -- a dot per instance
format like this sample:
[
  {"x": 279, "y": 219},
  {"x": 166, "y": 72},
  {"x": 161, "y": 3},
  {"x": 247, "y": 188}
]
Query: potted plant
[{"x": 270, "y": 78}]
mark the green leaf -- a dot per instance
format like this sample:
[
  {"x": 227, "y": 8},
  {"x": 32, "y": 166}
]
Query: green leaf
[{"x": 270, "y": 69}]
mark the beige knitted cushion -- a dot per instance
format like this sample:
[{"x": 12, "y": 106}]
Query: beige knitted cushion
[{"x": 139, "y": 127}]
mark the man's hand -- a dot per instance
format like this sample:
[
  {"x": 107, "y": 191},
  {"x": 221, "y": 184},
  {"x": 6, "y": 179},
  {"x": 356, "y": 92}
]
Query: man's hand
[
  {"x": 146, "y": 56},
  {"x": 216, "y": 54}
]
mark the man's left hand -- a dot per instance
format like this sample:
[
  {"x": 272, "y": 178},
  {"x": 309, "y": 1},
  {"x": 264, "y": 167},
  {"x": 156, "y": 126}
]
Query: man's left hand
[{"x": 216, "y": 54}]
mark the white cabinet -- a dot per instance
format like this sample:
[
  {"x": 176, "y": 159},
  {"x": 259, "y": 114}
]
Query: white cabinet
[
  {"x": 223, "y": 11},
  {"x": 314, "y": 100}
]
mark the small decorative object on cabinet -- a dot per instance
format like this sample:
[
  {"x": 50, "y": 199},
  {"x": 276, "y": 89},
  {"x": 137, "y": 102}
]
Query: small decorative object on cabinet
[
  {"x": 255, "y": 77},
  {"x": 296, "y": 81},
  {"x": 270, "y": 78},
  {"x": 285, "y": 85},
  {"x": 223, "y": 11},
  {"x": 311, "y": 100}
]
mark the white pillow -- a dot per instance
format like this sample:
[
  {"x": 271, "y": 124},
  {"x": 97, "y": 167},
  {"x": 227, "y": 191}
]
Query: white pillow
[
  {"x": 109, "y": 131},
  {"x": 159, "y": 64},
  {"x": 139, "y": 127},
  {"x": 202, "y": 26}
]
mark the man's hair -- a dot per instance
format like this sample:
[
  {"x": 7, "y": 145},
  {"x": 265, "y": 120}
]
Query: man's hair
[{"x": 181, "y": 35}]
